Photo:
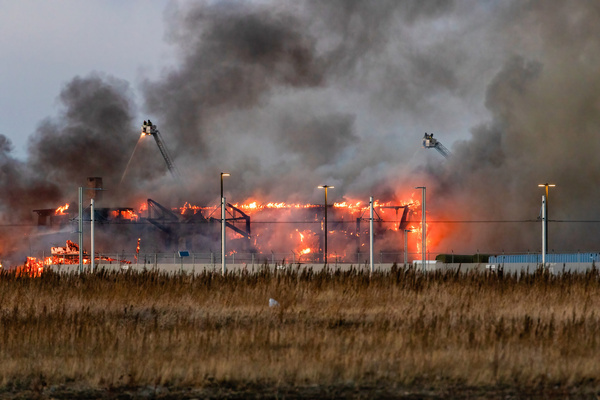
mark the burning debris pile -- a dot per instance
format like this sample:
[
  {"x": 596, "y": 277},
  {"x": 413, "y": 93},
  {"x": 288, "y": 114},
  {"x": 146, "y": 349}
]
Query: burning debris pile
[
  {"x": 67, "y": 255},
  {"x": 32, "y": 268}
]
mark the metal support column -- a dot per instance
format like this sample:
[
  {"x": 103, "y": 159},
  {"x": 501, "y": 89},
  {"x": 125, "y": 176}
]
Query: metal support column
[
  {"x": 223, "y": 205},
  {"x": 80, "y": 229},
  {"x": 371, "y": 234},
  {"x": 544, "y": 231},
  {"x": 92, "y": 255}
]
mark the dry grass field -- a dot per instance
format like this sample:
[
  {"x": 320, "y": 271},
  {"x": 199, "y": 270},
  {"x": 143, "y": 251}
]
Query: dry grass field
[{"x": 334, "y": 334}]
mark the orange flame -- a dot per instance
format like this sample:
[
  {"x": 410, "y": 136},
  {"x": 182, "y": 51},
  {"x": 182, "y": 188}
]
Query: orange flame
[
  {"x": 61, "y": 210},
  {"x": 32, "y": 268},
  {"x": 143, "y": 207},
  {"x": 125, "y": 214},
  {"x": 187, "y": 207}
]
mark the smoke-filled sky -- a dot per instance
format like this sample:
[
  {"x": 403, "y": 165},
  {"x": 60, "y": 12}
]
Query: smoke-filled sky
[{"x": 288, "y": 95}]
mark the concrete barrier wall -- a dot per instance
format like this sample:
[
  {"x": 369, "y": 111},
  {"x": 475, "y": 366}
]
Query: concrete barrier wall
[
  {"x": 251, "y": 268},
  {"x": 200, "y": 268}
]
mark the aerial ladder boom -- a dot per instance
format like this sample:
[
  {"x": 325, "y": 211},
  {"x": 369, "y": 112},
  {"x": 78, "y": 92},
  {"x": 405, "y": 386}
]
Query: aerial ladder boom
[
  {"x": 430, "y": 143},
  {"x": 149, "y": 129}
]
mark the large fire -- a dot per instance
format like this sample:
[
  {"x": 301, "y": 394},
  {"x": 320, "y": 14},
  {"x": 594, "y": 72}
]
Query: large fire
[
  {"x": 347, "y": 226},
  {"x": 271, "y": 229}
]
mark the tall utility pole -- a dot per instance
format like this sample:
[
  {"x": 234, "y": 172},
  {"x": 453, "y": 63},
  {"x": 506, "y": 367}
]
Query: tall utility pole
[
  {"x": 371, "y": 234},
  {"x": 80, "y": 229},
  {"x": 325, "y": 225},
  {"x": 546, "y": 185},
  {"x": 423, "y": 228},
  {"x": 544, "y": 230},
  {"x": 92, "y": 245},
  {"x": 223, "y": 223},
  {"x": 406, "y": 231},
  {"x": 223, "y": 267}
]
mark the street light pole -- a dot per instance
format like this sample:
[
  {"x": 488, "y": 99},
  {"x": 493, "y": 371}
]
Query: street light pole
[
  {"x": 546, "y": 185},
  {"x": 406, "y": 231},
  {"x": 92, "y": 240},
  {"x": 223, "y": 222},
  {"x": 423, "y": 228},
  {"x": 325, "y": 226},
  {"x": 92, "y": 244},
  {"x": 544, "y": 230},
  {"x": 80, "y": 229},
  {"x": 222, "y": 175},
  {"x": 371, "y": 234}
]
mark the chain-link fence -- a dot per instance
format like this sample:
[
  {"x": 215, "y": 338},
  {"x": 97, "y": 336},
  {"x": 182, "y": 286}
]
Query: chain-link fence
[{"x": 204, "y": 258}]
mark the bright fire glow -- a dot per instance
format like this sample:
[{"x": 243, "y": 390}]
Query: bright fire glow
[
  {"x": 61, "y": 210},
  {"x": 187, "y": 207},
  {"x": 69, "y": 254},
  {"x": 128, "y": 214},
  {"x": 347, "y": 227},
  {"x": 143, "y": 207},
  {"x": 296, "y": 228},
  {"x": 32, "y": 268},
  {"x": 250, "y": 206}
]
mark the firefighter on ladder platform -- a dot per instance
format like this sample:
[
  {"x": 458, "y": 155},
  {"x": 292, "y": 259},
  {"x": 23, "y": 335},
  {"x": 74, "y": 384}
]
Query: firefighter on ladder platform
[
  {"x": 430, "y": 143},
  {"x": 148, "y": 129}
]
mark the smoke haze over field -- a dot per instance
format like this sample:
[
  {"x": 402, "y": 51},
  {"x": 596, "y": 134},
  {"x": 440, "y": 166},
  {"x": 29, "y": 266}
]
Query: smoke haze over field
[{"x": 290, "y": 95}]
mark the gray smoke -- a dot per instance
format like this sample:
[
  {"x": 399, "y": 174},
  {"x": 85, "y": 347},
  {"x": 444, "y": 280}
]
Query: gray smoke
[
  {"x": 545, "y": 108},
  {"x": 272, "y": 93}
]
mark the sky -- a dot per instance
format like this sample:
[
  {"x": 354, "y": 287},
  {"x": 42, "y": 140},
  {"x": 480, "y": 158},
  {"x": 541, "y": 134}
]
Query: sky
[
  {"x": 289, "y": 95},
  {"x": 45, "y": 44}
]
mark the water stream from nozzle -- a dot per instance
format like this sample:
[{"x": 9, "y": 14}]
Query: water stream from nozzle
[{"x": 130, "y": 158}]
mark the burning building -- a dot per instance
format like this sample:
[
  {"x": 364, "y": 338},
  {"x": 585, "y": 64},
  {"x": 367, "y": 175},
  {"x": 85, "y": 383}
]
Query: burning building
[{"x": 252, "y": 228}]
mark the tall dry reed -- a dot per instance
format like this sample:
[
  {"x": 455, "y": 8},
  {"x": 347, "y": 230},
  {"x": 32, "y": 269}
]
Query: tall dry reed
[{"x": 399, "y": 328}]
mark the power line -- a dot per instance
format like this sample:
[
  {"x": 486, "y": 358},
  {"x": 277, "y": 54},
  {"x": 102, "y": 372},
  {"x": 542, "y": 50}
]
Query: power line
[{"x": 485, "y": 221}]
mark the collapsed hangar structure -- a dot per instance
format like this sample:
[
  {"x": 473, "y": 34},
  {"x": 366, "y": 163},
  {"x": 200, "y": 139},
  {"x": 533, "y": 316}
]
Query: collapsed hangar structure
[
  {"x": 251, "y": 229},
  {"x": 167, "y": 228},
  {"x": 256, "y": 230}
]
